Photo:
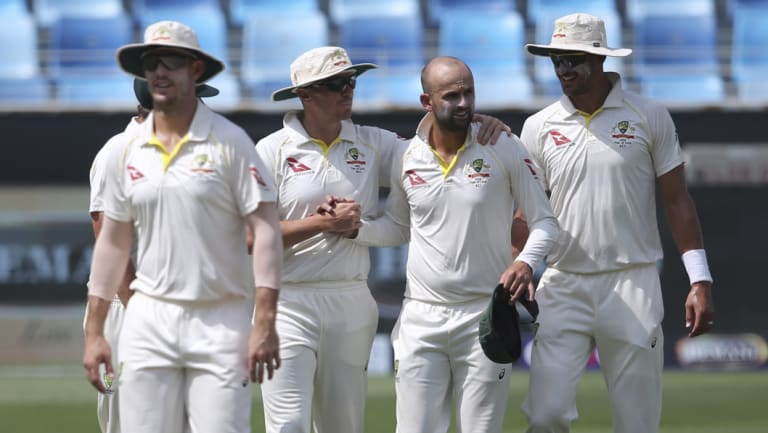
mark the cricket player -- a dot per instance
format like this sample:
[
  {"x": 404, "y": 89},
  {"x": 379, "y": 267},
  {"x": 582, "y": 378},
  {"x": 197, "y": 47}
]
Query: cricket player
[
  {"x": 601, "y": 151},
  {"x": 327, "y": 317},
  {"x": 455, "y": 200},
  {"x": 107, "y": 412},
  {"x": 188, "y": 182}
]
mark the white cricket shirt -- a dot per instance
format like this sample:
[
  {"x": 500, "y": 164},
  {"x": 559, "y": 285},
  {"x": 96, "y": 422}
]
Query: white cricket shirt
[
  {"x": 601, "y": 170},
  {"x": 188, "y": 207},
  {"x": 460, "y": 216},
  {"x": 305, "y": 170}
]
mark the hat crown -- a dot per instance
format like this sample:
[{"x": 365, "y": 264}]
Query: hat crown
[
  {"x": 319, "y": 63},
  {"x": 171, "y": 33},
  {"x": 579, "y": 29}
]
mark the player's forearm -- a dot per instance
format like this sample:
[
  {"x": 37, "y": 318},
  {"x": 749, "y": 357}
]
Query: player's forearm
[
  {"x": 267, "y": 247},
  {"x": 542, "y": 236},
  {"x": 382, "y": 232},
  {"x": 684, "y": 224},
  {"x": 96, "y": 315},
  {"x": 295, "y": 231},
  {"x": 265, "y": 311},
  {"x": 110, "y": 258}
]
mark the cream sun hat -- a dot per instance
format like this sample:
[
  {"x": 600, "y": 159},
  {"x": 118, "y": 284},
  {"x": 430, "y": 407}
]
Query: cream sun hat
[
  {"x": 578, "y": 32},
  {"x": 316, "y": 65},
  {"x": 167, "y": 34}
]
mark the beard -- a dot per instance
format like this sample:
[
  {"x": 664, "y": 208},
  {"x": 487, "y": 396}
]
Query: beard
[{"x": 448, "y": 122}]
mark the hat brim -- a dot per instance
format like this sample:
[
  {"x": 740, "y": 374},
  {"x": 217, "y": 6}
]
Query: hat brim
[
  {"x": 129, "y": 59},
  {"x": 545, "y": 50},
  {"x": 141, "y": 90},
  {"x": 499, "y": 329},
  {"x": 290, "y": 92}
]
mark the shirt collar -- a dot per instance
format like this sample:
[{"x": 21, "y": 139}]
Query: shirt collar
[
  {"x": 199, "y": 130},
  {"x": 292, "y": 124}
]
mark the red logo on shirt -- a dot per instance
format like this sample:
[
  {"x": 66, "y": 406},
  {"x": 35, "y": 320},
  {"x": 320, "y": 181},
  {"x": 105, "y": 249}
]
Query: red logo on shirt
[
  {"x": 415, "y": 178},
  {"x": 134, "y": 173},
  {"x": 295, "y": 165},
  {"x": 529, "y": 163},
  {"x": 559, "y": 138},
  {"x": 256, "y": 175}
]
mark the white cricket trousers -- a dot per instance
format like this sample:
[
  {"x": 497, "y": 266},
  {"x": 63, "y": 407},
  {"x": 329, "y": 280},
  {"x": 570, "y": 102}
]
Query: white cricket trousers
[
  {"x": 183, "y": 366},
  {"x": 619, "y": 313},
  {"x": 325, "y": 341},
  {"x": 107, "y": 411},
  {"x": 438, "y": 356}
]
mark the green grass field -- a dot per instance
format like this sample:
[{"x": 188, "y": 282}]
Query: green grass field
[{"x": 693, "y": 403}]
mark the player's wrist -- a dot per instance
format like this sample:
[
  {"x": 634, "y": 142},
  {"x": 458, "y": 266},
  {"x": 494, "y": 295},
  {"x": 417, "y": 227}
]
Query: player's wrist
[{"x": 696, "y": 266}]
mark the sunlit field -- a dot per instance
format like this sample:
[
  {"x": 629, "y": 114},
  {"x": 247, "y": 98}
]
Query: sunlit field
[{"x": 63, "y": 402}]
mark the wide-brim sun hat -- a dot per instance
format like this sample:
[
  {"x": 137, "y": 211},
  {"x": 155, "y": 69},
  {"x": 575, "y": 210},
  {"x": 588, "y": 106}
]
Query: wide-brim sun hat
[
  {"x": 167, "y": 34},
  {"x": 141, "y": 90},
  {"x": 316, "y": 65},
  {"x": 578, "y": 32}
]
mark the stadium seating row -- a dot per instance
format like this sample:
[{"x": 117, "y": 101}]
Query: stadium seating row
[{"x": 676, "y": 55}]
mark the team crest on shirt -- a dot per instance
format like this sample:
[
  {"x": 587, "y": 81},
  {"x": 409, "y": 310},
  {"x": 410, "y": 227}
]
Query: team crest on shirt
[
  {"x": 202, "y": 163},
  {"x": 478, "y": 172},
  {"x": 356, "y": 160},
  {"x": 623, "y": 133}
]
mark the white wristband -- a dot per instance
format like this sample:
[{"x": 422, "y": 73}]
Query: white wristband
[{"x": 696, "y": 266}]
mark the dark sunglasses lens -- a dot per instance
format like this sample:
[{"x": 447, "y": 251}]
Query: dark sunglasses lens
[
  {"x": 568, "y": 61},
  {"x": 171, "y": 62},
  {"x": 339, "y": 84}
]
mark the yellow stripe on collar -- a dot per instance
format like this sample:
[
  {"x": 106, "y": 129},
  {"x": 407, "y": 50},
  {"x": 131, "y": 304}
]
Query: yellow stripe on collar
[
  {"x": 444, "y": 166},
  {"x": 326, "y": 147},
  {"x": 168, "y": 157}
]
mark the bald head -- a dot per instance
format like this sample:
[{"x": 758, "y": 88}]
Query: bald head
[{"x": 443, "y": 70}]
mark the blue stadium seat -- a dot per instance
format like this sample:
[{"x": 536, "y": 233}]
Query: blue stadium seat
[
  {"x": 230, "y": 94},
  {"x": 676, "y": 57},
  {"x": 241, "y": 10},
  {"x": 13, "y": 6},
  {"x": 683, "y": 89},
  {"x": 543, "y": 73},
  {"x": 637, "y": 9},
  {"x": 87, "y": 46},
  {"x": 749, "y": 53},
  {"x": 96, "y": 91},
  {"x": 141, "y": 7},
  {"x": 342, "y": 10},
  {"x": 18, "y": 37},
  {"x": 209, "y": 24},
  {"x": 395, "y": 44},
  {"x": 24, "y": 92},
  {"x": 491, "y": 44},
  {"x": 541, "y": 11},
  {"x": 436, "y": 8},
  {"x": 48, "y": 11},
  {"x": 269, "y": 47}
]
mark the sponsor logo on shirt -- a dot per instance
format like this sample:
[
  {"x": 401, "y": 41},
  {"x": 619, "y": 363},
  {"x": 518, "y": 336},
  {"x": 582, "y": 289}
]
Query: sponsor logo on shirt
[
  {"x": 415, "y": 179},
  {"x": 529, "y": 164},
  {"x": 623, "y": 133},
  {"x": 134, "y": 173},
  {"x": 256, "y": 175},
  {"x": 356, "y": 160},
  {"x": 297, "y": 166},
  {"x": 559, "y": 138}
]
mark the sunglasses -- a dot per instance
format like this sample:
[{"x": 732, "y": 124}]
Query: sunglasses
[
  {"x": 338, "y": 83},
  {"x": 171, "y": 62},
  {"x": 569, "y": 60}
]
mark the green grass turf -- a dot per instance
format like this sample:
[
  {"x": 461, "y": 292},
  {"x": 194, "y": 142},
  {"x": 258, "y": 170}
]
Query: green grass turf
[{"x": 700, "y": 402}]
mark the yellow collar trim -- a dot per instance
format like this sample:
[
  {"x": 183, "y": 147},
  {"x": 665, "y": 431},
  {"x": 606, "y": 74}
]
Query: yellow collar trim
[
  {"x": 446, "y": 167},
  {"x": 168, "y": 157},
  {"x": 325, "y": 146}
]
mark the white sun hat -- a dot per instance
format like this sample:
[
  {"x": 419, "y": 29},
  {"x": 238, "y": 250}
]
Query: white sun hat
[
  {"x": 578, "y": 32},
  {"x": 167, "y": 34},
  {"x": 316, "y": 65}
]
